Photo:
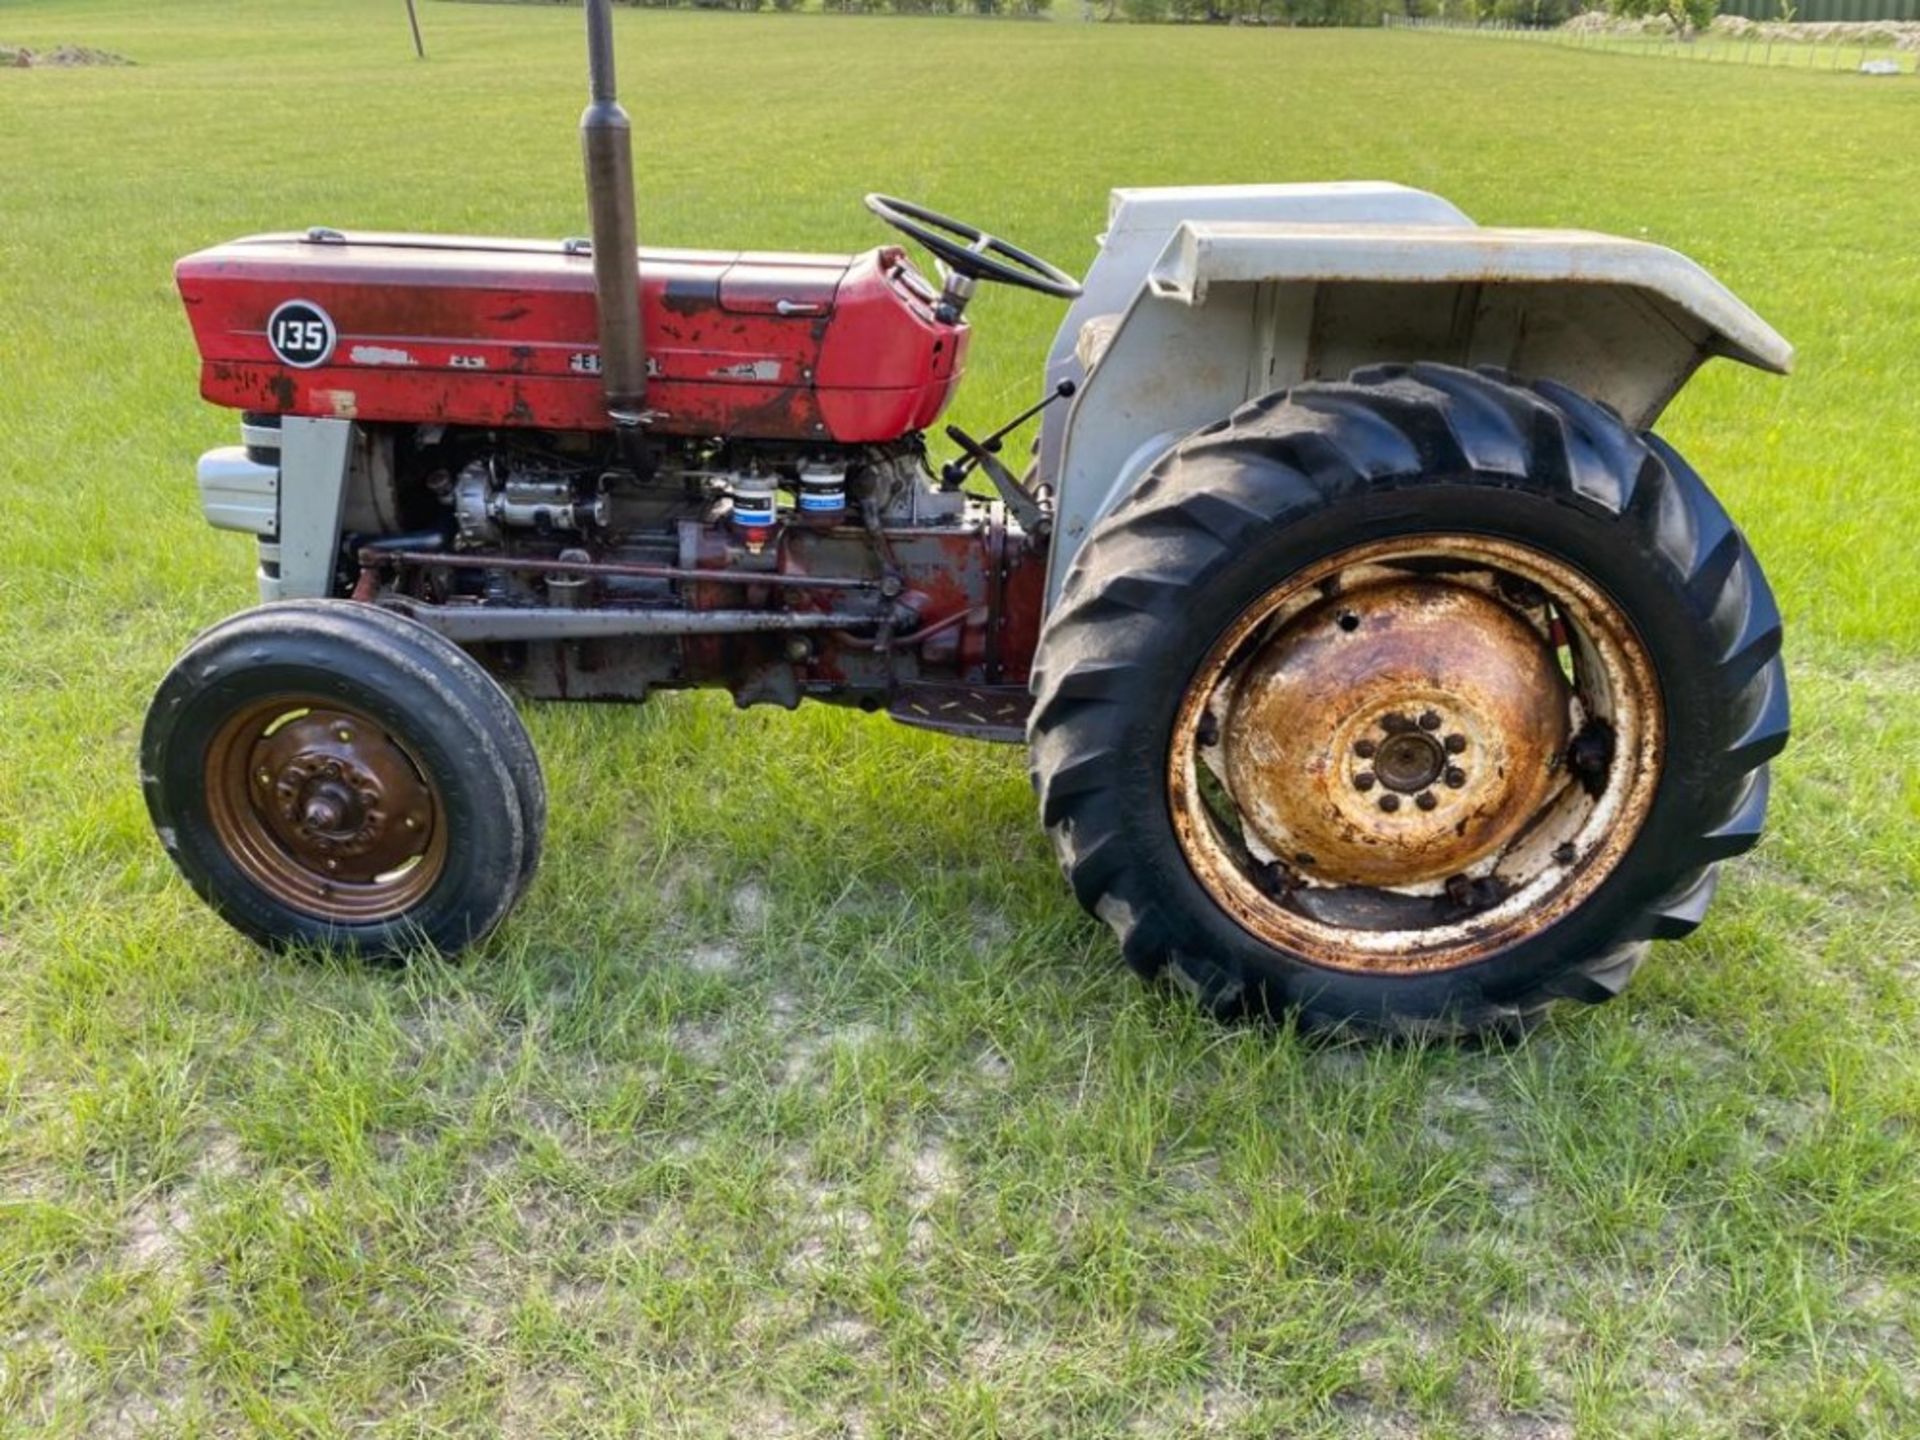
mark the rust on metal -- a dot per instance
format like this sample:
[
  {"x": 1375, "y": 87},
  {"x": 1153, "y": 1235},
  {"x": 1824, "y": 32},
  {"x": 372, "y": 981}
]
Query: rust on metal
[
  {"x": 1323, "y": 707},
  {"x": 324, "y": 810},
  {"x": 977, "y": 712},
  {"x": 1388, "y": 786},
  {"x": 373, "y": 558}
]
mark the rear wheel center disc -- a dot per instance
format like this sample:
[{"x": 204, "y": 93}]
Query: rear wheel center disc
[
  {"x": 1374, "y": 766},
  {"x": 1395, "y": 733}
]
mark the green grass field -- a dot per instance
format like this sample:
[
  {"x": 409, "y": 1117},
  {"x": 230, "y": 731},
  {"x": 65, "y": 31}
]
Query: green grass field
[{"x": 799, "y": 1099}]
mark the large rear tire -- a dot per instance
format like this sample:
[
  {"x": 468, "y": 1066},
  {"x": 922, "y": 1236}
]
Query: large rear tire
[
  {"x": 325, "y": 772},
  {"x": 1409, "y": 704}
]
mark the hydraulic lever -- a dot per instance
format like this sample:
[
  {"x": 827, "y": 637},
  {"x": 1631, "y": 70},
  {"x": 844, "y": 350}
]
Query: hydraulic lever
[{"x": 980, "y": 454}]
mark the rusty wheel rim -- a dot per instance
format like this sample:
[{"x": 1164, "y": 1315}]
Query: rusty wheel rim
[
  {"x": 325, "y": 810},
  {"x": 1416, "y": 753}
]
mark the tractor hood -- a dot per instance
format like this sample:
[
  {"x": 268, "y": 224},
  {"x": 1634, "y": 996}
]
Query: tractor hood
[{"x": 467, "y": 330}]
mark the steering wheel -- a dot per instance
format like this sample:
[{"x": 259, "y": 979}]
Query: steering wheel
[{"x": 968, "y": 250}]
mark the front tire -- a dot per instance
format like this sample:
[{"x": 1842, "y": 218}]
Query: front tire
[
  {"x": 323, "y": 772},
  {"x": 1410, "y": 704}
]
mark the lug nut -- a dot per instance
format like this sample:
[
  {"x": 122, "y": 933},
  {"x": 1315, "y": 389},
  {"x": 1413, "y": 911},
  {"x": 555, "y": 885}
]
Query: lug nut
[
  {"x": 343, "y": 735},
  {"x": 1395, "y": 724},
  {"x": 1565, "y": 854},
  {"x": 1363, "y": 781},
  {"x": 1349, "y": 621},
  {"x": 1425, "y": 800},
  {"x": 1456, "y": 743},
  {"x": 1455, "y": 777},
  {"x": 1364, "y": 749},
  {"x": 1430, "y": 720},
  {"x": 1389, "y": 802},
  {"x": 1207, "y": 732}
]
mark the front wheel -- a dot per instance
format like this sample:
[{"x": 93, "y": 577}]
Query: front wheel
[
  {"x": 325, "y": 772},
  {"x": 1411, "y": 703}
]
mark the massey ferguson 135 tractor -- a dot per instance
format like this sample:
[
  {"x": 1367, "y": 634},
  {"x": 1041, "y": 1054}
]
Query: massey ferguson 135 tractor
[{"x": 1376, "y": 662}]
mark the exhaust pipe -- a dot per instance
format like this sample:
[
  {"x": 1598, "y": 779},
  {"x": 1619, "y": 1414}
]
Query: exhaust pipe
[{"x": 606, "y": 140}]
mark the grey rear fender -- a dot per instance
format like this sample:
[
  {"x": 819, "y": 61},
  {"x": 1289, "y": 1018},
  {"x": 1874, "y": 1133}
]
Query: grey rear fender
[{"x": 1312, "y": 282}]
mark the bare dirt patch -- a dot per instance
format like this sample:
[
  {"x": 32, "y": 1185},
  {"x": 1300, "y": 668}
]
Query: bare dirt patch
[
  {"x": 715, "y": 957},
  {"x": 156, "y": 1233},
  {"x": 749, "y": 906},
  {"x": 60, "y": 57}
]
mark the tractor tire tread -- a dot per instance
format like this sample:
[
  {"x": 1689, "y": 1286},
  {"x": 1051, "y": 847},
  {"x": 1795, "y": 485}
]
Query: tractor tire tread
[{"x": 1297, "y": 454}]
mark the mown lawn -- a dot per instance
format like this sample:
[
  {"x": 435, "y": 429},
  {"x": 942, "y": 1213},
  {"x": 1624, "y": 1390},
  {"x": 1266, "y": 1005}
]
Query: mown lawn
[{"x": 799, "y": 1099}]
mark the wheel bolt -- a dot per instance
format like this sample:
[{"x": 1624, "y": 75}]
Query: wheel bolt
[
  {"x": 1207, "y": 732},
  {"x": 1395, "y": 724},
  {"x": 1425, "y": 800},
  {"x": 412, "y": 824},
  {"x": 333, "y": 864},
  {"x": 1364, "y": 749},
  {"x": 1456, "y": 777},
  {"x": 1349, "y": 621},
  {"x": 1565, "y": 854},
  {"x": 1430, "y": 720},
  {"x": 265, "y": 778},
  {"x": 1389, "y": 802},
  {"x": 1456, "y": 743},
  {"x": 343, "y": 735},
  {"x": 1363, "y": 781}
]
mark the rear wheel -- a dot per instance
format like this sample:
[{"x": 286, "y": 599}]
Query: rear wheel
[
  {"x": 324, "y": 772},
  {"x": 1411, "y": 703}
]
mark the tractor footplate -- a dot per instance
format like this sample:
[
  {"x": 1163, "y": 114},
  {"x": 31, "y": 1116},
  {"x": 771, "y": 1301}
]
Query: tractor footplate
[{"x": 978, "y": 712}]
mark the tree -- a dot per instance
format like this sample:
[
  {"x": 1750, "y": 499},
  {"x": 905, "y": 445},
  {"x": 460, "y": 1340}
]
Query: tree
[{"x": 1686, "y": 16}]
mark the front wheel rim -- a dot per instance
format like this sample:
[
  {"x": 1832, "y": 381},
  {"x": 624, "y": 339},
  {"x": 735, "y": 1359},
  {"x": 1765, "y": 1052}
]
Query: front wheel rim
[
  {"x": 1416, "y": 753},
  {"x": 325, "y": 810}
]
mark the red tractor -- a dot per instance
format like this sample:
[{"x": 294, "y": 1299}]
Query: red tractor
[{"x": 1376, "y": 662}]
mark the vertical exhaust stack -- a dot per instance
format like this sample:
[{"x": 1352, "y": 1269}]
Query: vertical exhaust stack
[{"x": 606, "y": 140}]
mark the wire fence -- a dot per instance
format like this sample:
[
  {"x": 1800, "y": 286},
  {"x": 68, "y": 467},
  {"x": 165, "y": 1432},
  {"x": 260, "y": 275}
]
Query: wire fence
[{"x": 1708, "y": 48}]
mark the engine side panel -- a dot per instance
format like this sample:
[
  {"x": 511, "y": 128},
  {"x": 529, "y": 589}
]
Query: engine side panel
[{"x": 780, "y": 347}]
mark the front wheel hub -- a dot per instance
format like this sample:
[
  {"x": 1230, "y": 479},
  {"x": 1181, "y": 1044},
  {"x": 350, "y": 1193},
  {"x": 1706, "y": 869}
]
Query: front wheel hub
[
  {"x": 324, "y": 809},
  {"x": 1395, "y": 734}
]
